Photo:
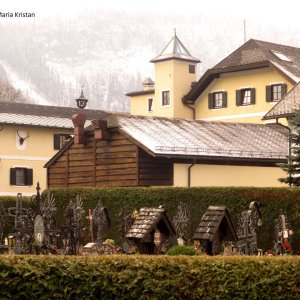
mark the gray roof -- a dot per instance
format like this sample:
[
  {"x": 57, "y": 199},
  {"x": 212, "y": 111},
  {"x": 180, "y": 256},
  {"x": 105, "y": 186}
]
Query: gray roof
[
  {"x": 175, "y": 50},
  {"x": 43, "y": 115},
  {"x": 253, "y": 54},
  {"x": 148, "y": 81},
  {"x": 184, "y": 138},
  {"x": 287, "y": 106},
  {"x": 145, "y": 221},
  {"x": 210, "y": 223},
  {"x": 255, "y": 51}
]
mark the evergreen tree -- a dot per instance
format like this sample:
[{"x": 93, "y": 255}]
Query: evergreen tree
[{"x": 292, "y": 167}]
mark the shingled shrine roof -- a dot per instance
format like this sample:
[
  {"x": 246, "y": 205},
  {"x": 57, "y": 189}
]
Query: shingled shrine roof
[
  {"x": 146, "y": 220},
  {"x": 211, "y": 221}
]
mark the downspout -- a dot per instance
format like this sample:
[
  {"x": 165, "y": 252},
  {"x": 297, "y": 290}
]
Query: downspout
[
  {"x": 290, "y": 144},
  {"x": 190, "y": 107},
  {"x": 189, "y": 174}
]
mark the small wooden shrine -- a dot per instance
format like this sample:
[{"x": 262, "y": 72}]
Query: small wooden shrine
[
  {"x": 215, "y": 228},
  {"x": 152, "y": 231}
]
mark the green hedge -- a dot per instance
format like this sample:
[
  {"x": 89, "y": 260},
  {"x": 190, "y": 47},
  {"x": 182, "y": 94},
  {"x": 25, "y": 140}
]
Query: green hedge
[
  {"x": 273, "y": 201},
  {"x": 149, "y": 277}
]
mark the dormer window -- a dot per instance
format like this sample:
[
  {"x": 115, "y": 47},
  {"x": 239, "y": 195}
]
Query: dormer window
[
  {"x": 281, "y": 56},
  {"x": 275, "y": 92}
]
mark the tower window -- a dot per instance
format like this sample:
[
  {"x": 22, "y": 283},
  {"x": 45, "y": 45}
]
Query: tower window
[
  {"x": 165, "y": 98},
  {"x": 150, "y": 105},
  {"x": 192, "y": 69}
]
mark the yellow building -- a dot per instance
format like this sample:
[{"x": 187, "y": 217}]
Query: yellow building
[
  {"x": 243, "y": 88},
  {"x": 30, "y": 135},
  {"x": 247, "y": 84}
]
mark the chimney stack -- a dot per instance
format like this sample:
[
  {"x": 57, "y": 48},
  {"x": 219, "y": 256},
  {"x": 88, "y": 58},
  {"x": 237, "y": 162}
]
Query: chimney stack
[
  {"x": 100, "y": 129},
  {"x": 78, "y": 121}
]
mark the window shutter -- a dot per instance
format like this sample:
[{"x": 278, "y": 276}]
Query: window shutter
[
  {"x": 252, "y": 95},
  {"x": 13, "y": 176},
  {"x": 238, "y": 94},
  {"x": 211, "y": 101},
  {"x": 269, "y": 93},
  {"x": 224, "y": 96},
  {"x": 56, "y": 141},
  {"x": 29, "y": 176},
  {"x": 283, "y": 89}
]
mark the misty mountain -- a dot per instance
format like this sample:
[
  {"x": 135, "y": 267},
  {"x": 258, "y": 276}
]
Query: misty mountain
[{"x": 109, "y": 52}]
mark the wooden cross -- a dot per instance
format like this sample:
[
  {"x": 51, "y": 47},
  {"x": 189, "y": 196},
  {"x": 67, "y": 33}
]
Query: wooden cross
[{"x": 90, "y": 217}]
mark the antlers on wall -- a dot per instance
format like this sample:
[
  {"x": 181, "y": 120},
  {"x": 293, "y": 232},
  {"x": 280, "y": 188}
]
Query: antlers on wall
[{"x": 22, "y": 139}]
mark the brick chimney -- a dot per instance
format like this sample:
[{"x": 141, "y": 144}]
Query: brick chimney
[
  {"x": 78, "y": 121},
  {"x": 100, "y": 129}
]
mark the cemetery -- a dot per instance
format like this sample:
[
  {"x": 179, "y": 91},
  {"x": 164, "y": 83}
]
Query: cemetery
[
  {"x": 148, "y": 230},
  {"x": 116, "y": 243}
]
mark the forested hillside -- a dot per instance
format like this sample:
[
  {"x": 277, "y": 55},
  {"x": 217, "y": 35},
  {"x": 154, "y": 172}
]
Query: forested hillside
[{"x": 109, "y": 51}]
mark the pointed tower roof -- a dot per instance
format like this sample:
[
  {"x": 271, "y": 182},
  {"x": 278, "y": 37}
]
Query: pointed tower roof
[{"x": 175, "y": 50}]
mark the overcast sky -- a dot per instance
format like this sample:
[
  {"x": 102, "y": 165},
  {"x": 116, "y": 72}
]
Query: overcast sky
[{"x": 273, "y": 11}]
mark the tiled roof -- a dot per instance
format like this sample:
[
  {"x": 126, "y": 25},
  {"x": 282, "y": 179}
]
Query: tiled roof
[
  {"x": 252, "y": 55},
  {"x": 210, "y": 223},
  {"x": 175, "y": 50},
  {"x": 144, "y": 222},
  {"x": 287, "y": 105},
  {"x": 42, "y": 115},
  {"x": 183, "y": 138},
  {"x": 255, "y": 51}
]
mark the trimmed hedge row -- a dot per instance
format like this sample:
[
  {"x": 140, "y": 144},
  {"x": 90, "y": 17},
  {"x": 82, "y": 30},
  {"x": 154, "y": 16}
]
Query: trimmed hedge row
[
  {"x": 149, "y": 277},
  {"x": 236, "y": 199}
]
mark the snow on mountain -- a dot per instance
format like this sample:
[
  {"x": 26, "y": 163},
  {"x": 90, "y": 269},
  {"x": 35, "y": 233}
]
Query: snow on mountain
[
  {"x": 109, "y": 52},
  {"x": 24, "y": 86}
]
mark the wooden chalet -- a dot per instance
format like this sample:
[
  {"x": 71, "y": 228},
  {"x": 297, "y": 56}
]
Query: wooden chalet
[
  {"x": 124, "y": 150},
  {"x": 152, "y": 231},
  {"x": 215, "y": 227},
  {"x": 102, "y": 157}
]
